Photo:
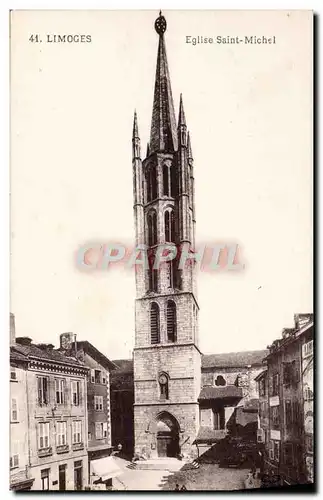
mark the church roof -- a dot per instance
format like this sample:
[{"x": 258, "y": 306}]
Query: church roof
[
  {"x": 234, "y": 359},
  {"x": 229, "y": 391},
  {"x": 124, "y": 365},
  {"x": 223, "y": 360},
  {"x": 163, "y": 133}
]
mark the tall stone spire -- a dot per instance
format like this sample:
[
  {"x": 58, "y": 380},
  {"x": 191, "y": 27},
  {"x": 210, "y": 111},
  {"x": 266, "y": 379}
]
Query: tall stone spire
[{"x": 163, "y": 134}]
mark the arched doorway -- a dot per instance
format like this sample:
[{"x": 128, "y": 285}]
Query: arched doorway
[{"x": 167, "y": 436}]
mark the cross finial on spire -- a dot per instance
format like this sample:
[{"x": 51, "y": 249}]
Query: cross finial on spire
[{"x": 160, "y": 24}]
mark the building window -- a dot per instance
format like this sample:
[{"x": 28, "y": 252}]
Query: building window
[
  {"x": 14, "y": 461},
  {"x": 220, "y": 381},
  {"x": 76, "y": 386},
  {"x": 309, "y": 443},
  {"x": 77, "y": 431},
  {"x": 44, "y": 476},
  {"x": 166, "y": 180},
  {"x": 104, "y": 378},
  {"x": 61, "y": 433},
  {"x": 218, "y": 420},
  {"x": 274, "y": 449},
  {"x": 288, "y": 414},
  {"x": 308, "y": 349},
  {"x": 275, "y": 421},
  {"x": 13, "y": 374},
  {"x": 288, "y": 454},
  {"x": 98, "y": 403},
  {"x": 43, "y": 436},
  {"x": 89, "y": 436},
  {"x": 92, "y": 376},
  {"x": 97, "y": 376},
  {"x": 171, "y": 321},
  {"x": 308, "y": 394},
  {"x": 163, "y": 386},
  {"x": 59, "y": 390},
  {"x": 275, "y": 385},
  {"x": 43, "y": 396},
  {"x": 14, "y": 410},
  {"x": 262, "y": 387},
  {"x": 101, "y": 430},
  {"x": 154, "y": 323}
]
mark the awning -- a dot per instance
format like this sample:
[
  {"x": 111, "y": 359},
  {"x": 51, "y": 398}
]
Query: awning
[
  {"x": 104, "y": 468},
  {"x": 227, "y": 392}
]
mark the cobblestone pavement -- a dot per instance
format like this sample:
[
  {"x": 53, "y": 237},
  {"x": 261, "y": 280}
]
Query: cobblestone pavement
[{"x": 207, "y": 477}]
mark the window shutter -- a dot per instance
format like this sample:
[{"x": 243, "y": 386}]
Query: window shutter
[
  {"x": 154, "y": 323},
  {"x": 271, "y": 386},
  {"x": 171, "y": 321},
  {"x": 39, "y": 387}
]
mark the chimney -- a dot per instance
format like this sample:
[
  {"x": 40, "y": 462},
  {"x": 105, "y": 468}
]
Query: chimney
[
  {"x": 23, "y": 340},
  {"x": 68, "y": 342},
  {"x": 12, "y": 329}
]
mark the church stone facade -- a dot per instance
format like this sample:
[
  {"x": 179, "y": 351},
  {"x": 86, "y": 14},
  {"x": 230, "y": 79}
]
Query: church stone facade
[{"x": 167, "y": 360}]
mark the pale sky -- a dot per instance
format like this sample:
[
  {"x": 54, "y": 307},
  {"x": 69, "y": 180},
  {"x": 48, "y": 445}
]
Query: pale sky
[{"x": 248, "y": 109}]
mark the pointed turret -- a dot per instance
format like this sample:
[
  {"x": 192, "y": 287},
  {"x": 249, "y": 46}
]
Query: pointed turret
[
  {"x": 163, "y": 137},
  {"x": 181, "y": 129},
  {"x": 135, "y": 137},
  {"x": 189, "y": 147},
  {"x": 181, "y": 115}
]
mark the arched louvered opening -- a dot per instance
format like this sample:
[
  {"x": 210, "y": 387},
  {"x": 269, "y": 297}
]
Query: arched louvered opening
[
  {"x": 152, "y": 228},
  {"x": 166, "y": 180},
  {"x": 171, "y": 321},
  {"x": 154, "y": 323}
]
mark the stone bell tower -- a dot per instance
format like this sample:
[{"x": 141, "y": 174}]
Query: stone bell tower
[{"x": 167, "y": 360}]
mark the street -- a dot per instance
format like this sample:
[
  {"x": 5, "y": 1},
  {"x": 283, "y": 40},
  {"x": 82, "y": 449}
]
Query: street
[{"x": 207, "y": 477}]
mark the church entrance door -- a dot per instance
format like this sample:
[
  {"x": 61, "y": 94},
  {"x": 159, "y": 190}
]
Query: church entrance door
[{"x": 167, "y": 437}]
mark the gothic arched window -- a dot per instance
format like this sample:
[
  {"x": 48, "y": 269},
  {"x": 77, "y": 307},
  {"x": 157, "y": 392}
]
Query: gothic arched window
[
  {"x": 166, "y": 180},
  {"x": 163, "y": 386},
  {"x": 171, "y": 321},
  {"x": 220, "y": 380},
  {"x": 152, "y": 228},
  {"x": 154, "y": 323}
]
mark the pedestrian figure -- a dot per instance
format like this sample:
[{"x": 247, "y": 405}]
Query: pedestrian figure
[
  {"x": 250, "y": 481},
  {"x": 177, "y": 487},
  {"x": 183, "y": 488}
]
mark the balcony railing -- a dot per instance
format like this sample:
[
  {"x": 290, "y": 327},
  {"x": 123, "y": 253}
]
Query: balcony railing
[
  {"x": 63, "y": 448},
  {"x": 45, "y": 452},
  {"x": 77, "y": 446}
]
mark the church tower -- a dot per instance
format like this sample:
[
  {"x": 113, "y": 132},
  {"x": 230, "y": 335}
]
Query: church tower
[{"x": 167, "y": 360}]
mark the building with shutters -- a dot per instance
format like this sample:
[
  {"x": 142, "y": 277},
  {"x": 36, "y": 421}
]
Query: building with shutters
[
  {"x": 48, "y": 401},
  {"x": 289, "y": 440},
  {"x": 98, "y": 403}
]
